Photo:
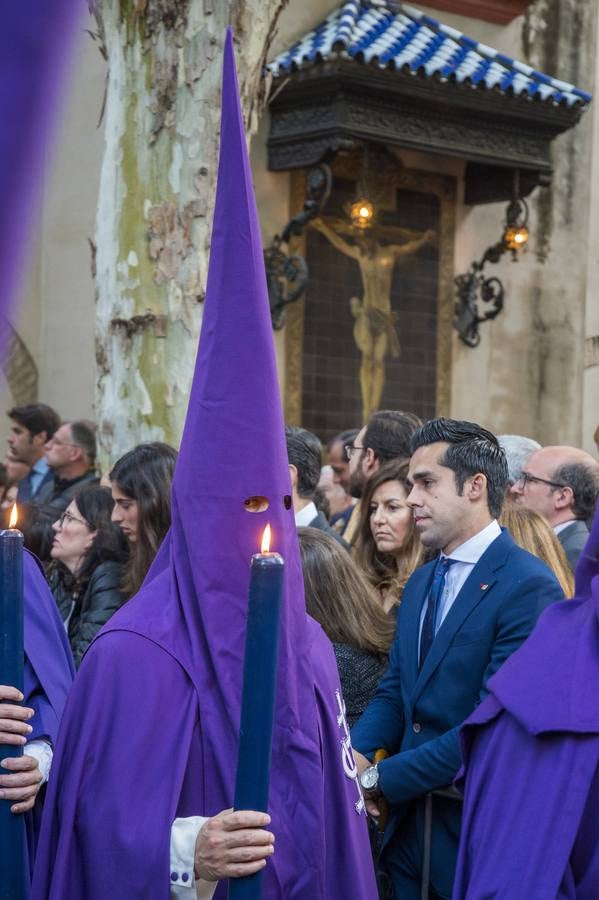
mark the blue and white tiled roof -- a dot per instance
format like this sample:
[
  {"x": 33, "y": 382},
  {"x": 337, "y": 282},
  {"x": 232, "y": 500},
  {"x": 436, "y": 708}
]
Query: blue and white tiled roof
[{"x": 395, "y": 35}]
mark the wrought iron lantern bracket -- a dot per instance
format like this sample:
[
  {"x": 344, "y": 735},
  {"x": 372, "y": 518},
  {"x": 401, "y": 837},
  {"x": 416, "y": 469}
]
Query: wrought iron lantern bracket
[
  {"x": 287, "y": 275},
  {"x": 473, "y": 285}
]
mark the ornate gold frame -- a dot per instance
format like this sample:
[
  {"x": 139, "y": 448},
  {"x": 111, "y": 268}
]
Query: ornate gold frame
[{"x": 394, "y": 175}]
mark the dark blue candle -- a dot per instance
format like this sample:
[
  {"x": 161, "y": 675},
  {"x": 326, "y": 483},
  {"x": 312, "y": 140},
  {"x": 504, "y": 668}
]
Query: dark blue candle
[
  {"x": 12, "y": 828},
  {"x": 258, "y": 699}
]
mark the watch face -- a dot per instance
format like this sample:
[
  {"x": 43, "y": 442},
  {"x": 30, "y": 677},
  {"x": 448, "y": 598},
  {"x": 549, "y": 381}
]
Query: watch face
[{"x": 369, "y": 778}]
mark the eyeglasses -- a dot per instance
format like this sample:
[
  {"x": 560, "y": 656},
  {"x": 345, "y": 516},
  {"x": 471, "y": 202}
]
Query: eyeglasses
[
  {"x": 526, "y": 478},
  {"x": 350, "y": 449},
  {"x": 58, "y": 443},
  {"x": 68, "y": 518}
]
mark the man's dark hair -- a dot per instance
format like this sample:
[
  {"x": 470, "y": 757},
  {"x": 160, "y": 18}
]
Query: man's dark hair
[
  {"x": 343, "y": 438},
  {"x": 584, "y": 481},
  {"x": 36, "y": 417},
  {"x": 304, "y": 451},
  {"x": 389, "y": 433},
  {"x": 84, "y": 436},
  {"x": 471, "y": 450}
]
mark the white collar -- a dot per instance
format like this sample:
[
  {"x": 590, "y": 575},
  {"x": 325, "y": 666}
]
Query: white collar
[
  {"x": 563, "y": 525},
  {"x": 305, "y": 515},
  {"x": 471, "y": 550}
]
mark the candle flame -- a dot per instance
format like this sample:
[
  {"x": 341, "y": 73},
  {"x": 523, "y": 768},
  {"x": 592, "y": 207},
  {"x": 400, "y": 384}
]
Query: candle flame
[
  {"x": 266, "y": 540},
  {"x": 14, "y": 516}
]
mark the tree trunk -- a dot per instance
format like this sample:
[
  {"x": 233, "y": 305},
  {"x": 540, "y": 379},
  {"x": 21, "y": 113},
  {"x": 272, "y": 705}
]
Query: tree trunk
[{"x": 157, "y": 187}]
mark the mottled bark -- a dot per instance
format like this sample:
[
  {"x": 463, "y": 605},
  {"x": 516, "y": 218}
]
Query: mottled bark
[{"x": 157, "y": 189}]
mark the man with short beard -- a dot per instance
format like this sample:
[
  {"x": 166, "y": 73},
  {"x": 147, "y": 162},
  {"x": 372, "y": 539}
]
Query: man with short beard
[
  {"x": 385, "y": 436},
  {"x": 32, "y": 427}
]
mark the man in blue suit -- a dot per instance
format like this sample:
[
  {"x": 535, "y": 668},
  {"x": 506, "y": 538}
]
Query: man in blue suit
[{"x": 461, "y": 616}]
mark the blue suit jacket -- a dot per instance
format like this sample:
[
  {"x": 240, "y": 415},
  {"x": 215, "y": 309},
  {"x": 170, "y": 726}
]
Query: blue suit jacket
[{"x": 416, "y": 715}]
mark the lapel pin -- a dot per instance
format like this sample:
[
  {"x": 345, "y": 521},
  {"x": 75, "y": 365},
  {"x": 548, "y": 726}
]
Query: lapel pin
[{"x": 484, "y": 587}]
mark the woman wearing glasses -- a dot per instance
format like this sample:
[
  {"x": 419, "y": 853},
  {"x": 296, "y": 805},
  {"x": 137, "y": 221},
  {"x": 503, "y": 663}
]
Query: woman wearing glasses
[{"x": 89, "y": 555}]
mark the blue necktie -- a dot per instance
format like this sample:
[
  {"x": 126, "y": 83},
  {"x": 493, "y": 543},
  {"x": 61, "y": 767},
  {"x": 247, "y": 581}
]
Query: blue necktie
[{"x": 428, "y": 632}]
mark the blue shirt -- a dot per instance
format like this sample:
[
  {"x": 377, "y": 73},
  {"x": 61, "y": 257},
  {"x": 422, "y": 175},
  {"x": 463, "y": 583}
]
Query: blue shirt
[{"x": 37, "y": 474}]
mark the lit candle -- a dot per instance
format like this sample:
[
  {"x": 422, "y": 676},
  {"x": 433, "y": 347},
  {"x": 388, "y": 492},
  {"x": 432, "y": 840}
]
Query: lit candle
[
  {"x": 258, "y": 699},
  {"x": 12, "y": 828}
]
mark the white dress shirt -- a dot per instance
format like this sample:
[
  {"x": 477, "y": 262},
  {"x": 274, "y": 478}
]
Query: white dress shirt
[
  {"x": 184, "y": 833},
  {"x": 466, "y": 557},
  {"x": 305, "y": 515},
  {"x": 42, "y": 751}
]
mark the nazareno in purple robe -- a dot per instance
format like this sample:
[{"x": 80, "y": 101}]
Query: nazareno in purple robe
[
  {"x": 151, "y": 727},
  {"x": 530, "y": 829},
  {"x": 34, "y": 42},
  {"x": 49, "y": 672}
]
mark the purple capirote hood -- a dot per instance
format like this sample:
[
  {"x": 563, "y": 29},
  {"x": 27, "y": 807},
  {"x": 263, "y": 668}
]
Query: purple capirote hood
[
  {"x": 549, "y": 684},
  {"x": 233, "y": 448},
  {"x": 182, "y": 637}
]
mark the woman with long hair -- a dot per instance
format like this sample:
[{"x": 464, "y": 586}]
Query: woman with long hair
[
  {"x": 533, "y": 532},
  {"x": 341, "y": 600},
  {"x": 88, "y": 556},
  {"x": 388, "y": 548},
  {"x": 141, "y": 489}
]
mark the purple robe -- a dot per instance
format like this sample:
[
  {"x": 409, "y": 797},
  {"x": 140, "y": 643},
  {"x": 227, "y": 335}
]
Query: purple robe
[
  {"x": 151, "y": 727},
  {"x": 49, "y": 672},
  {"x": 49, "y": 668},
  {"x": 531, "y": 761}
]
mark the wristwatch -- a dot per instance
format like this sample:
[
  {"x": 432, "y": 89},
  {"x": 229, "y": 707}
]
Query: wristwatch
[{"x": 369, "y": 779}]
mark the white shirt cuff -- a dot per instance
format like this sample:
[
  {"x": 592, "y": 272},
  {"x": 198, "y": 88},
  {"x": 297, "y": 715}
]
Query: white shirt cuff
[
  {"x": 184, "y": 833},
  {"x": 42, "y": 751}
]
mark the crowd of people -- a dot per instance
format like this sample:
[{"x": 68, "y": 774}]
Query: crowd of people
[
  {"x": 392, "y": 520},
  {"x": 521, "y": 531},
  {"x": 96, "y": 537}
]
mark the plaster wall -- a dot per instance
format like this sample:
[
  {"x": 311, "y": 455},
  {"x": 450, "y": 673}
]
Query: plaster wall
[
  {"x": 55, "y": 315},
  {"x": 66, "y": 290},
  {"x": 527, "y": 375},
  {"x": 590, "y": 395}
]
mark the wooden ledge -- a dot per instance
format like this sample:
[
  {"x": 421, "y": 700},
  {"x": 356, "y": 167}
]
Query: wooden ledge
[{"x": 498, "y": 11}]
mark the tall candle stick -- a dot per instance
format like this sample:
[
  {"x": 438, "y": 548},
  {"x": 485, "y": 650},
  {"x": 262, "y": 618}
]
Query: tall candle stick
[
  {"x": 258, "y": 700},
  {"x": 12, "y": 827}
]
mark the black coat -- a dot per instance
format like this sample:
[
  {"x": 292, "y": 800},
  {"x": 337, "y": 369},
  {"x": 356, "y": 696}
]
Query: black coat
[
  {"x": 359, "y": 674},
  {"x": 321, "y": 524},
  {"x": 91, "y": 610},
  {"x": 55, "y": 495}
]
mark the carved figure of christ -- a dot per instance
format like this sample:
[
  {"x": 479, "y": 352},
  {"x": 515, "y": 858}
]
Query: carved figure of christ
[{"x": 375, "y": 333}]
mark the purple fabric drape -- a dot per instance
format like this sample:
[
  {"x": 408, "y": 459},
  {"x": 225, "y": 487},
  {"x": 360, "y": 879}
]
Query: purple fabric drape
[
  {"x": 531, "y": 761},
  {"x": 35, "y": 39}
]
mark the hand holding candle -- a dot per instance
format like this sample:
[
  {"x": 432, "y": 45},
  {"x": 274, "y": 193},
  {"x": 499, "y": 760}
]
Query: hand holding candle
[{"x": 258, "y": 700}]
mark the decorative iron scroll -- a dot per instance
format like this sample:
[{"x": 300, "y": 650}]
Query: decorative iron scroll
[
  {"x": 287, "y": 275},
  {"x": 473, "y": 284}
]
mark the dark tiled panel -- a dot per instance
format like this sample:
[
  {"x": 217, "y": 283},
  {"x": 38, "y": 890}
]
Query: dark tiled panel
[{"x": 331, "y": 387}]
